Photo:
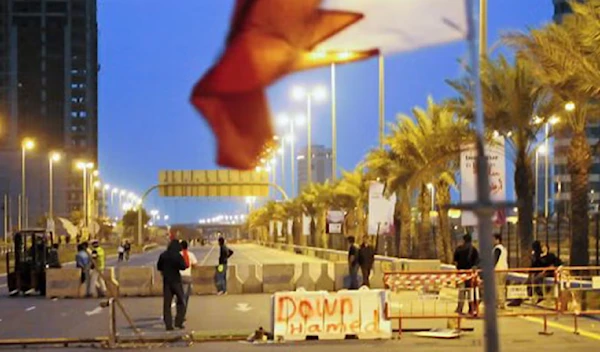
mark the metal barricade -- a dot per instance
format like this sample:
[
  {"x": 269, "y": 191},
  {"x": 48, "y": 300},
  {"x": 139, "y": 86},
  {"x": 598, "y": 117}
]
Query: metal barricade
[
  {"x": 439, "y": 294},
  {"x": 579, "y": 290},
  {"x": 456, "y": 294}
]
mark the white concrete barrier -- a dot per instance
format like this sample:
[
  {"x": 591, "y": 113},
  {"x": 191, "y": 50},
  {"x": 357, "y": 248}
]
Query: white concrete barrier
[{"x": 330, "y": 316}]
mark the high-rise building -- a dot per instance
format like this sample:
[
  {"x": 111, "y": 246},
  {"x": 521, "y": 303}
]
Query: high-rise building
[
  {"x": 561, "y": 146},
  {"x": 48, "y": 92},
  {"x": 321, "y": 166}
]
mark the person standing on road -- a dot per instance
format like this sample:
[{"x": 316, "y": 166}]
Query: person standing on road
[
  {"x": 99, "y": 261},
  {"x": 353, "y": 263},
  {"x": 221, "y": 275},
  {"x": 170, "y": 263},
  {"x": 121, "y": 251},
  {"x": 366, "y": 258},
  {"x": 53, "y": 258},
  {"x": 82, "y": 260},
  {"x": 186, "y": 275},
  {"x": 466, "y": 257},
  {"x": 501, "y": 261},
  {"x": 127, "y": 250}
]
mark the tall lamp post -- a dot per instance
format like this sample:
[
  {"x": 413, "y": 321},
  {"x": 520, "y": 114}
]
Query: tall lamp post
[
  {"x": 27, "y": 144},
  {"x": 84, "y": 167},
  {"x": 54, "y": 157},
  {"x": 317, "y": 94},
  {"x": 285, "y": 120}
]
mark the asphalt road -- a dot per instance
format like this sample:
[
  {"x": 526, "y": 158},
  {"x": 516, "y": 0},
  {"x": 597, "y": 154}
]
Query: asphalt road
[{"x": 240, "y": 314}]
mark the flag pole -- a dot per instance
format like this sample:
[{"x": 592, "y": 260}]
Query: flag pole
[
  {"x": 381, "y": 100},
  {"x": 484, "y": 209}
]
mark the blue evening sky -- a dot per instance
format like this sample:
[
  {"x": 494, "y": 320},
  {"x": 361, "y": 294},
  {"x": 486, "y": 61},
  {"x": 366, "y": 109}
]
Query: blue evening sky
[{"x": 153, "y": 51}]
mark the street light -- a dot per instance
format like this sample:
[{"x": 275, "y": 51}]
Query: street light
[
  {"x": 318, "y": 93},
  {"x": 541, "y": 149},
  {"x": 53, "y": 157},
  {"x": 570, "y": 106},
  {"x": 296, "y": 121},
  {"x": 84, "y": 166},
  {"x": 27, "y": 144}
]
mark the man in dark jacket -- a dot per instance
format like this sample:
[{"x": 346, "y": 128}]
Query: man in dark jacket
[
  {"x": 170, "y": 263},
  {"x": 221, "y": 275},
  {"x": 366, "y": 258},
  {"x": 466, "y": 257}
]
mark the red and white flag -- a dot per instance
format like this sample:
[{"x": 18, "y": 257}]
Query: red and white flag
[{"x": 269, "y": 39}]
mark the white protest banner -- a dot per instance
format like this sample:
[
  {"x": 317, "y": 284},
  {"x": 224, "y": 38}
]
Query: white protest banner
[
  {"x": 279, "y": 228},
  {"x": 497, "y": 176},
  {"x": 381, "y": 210},
  {"x": 306, "y": 220},
  {"x": 290, "y": 226}
]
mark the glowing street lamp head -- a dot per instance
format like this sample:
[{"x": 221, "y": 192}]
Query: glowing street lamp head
[
  {"x": 300, "y": 120},
  {"x": 283, "y": 119},
  {"x": 55, "y": 157},
  {"x": 96, "y": 173},
  {"x": 298, "y": 93},
  {"x": 541, "y": 149},
  {"x": 97, "y": 184},
  {"x": 115, "y": 190},
  {"x": 319, "y": 93},
  {"x": 28, "y": 144},
  {"x": 106, "y": 187},
  {"x": 123, "y": 192},
  {"x": 554, "y": 120},
  {"x": 430, "y": 186},
  {"x": 570, "y": 106}
]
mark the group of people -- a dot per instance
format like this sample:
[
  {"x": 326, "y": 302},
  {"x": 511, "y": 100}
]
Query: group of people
[
  {"x": 92, "y": 262},
  {"x": 466, "y": 257},
  {"x": 176, "y": 265},
  {"x": 124, "y": 251},
  {"x": 360, "y": 257}
]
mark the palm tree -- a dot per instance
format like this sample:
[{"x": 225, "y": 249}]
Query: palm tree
[
  {"x": 442, "y": 184},
  {"x": 421, "y": 147},
  {"x": 351, "y": 194},
  {"x": 566, "y": 60},
  {"x": 316, "y": 200},
  {"x": 293, "y": 211},
  {"x": 512, "y": 97},
  {"x": 566, "y": 55}
]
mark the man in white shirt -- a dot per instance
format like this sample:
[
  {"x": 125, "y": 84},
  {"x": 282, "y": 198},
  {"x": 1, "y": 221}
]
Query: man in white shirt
[
  {"x": 501, "y": 261},
  {"x": 186, "y": 275}
]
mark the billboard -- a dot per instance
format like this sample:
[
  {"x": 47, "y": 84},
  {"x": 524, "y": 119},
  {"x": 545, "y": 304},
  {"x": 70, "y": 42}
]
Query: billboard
[
  {"x": 468, "y": 176},
  {"x": 213, "y": 183},
  {"x": 381, "y": 210}
]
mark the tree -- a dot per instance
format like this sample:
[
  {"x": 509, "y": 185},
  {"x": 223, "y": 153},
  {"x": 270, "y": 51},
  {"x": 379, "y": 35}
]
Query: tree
[
  {"x": 566, "y": 60},
  {"x": 130, "y": 221},
  {"x": 316, "y": 199},
  {"x": 512, "y": 97},
  {"x": 421, "y": 147},
  {"x": 351, "y": 194}
]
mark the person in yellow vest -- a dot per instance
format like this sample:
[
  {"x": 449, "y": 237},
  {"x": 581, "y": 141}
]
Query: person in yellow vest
[{"x": 99, "y": 263}]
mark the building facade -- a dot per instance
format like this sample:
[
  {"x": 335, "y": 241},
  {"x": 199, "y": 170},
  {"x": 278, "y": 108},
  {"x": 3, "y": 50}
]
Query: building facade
[
  {"x": 562, "y": 179},
  {"x": 321, "y": 166},
  {"x": 48, "y": 92}
]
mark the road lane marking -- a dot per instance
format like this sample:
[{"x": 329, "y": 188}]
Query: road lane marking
[
  {"x": 239, "y": 250},
  {"x": 208, "y": 255},
  {"x": 585, "y": 333},
  {"x": 95, "y": 311},
  {"x": 30, "y": 309},
  {"x": 243, "y": 307}
]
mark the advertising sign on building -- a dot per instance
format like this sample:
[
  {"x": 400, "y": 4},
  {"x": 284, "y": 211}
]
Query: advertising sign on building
[{"x": 468, "y": 177}]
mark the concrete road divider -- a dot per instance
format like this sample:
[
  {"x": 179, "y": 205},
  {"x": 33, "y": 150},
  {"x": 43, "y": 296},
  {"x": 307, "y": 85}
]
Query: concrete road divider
[
  {"x": 325, "y": 282},
  {"x": 305, "y": 280},
  {"x": 63, "y": 283},
  {"x": 112, "y": 284},
  {"x": 421, "y": 264},
  {"x": 135, "y": 281},
  {"x": 157, "y": 283},
  {"x": 327, "y": 316},
  {"x": 203, "y": 280},
  {"x": 278, "y": 277},
  {"x": 234, "y": 283},
  {"x": 252, "y": 284}
]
